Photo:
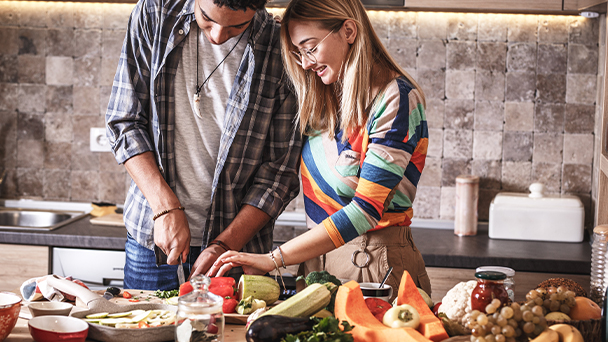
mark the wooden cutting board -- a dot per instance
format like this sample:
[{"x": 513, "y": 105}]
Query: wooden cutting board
[{"x": 109, "y": 220}]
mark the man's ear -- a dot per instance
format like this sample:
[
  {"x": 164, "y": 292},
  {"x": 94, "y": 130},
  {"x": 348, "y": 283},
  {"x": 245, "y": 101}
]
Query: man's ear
[{"x": 350, "y": 30}]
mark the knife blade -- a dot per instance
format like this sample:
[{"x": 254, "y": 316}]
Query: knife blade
[{"x": 180, "y": 271}]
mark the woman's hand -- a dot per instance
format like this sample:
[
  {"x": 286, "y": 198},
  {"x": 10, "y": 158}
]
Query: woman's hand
[{"x": 251, "y": 263}]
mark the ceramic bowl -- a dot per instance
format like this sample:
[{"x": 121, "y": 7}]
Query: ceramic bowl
[
  {"x": 375, "y": 291},
  {"x": 50, "y": 308},
  {"x": 10, "y": 305},
  {"x": 58, "y": 328}
]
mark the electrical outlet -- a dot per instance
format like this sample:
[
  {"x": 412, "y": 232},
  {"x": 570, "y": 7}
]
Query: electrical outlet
[{"x": 99, "y": 142}]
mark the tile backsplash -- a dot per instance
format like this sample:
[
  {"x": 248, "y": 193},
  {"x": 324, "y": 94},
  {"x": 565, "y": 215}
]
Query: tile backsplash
[{"x": 511, "y": 98}]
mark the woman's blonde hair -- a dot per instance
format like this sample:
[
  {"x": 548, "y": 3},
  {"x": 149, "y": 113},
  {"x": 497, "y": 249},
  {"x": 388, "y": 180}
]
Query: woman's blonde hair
[{"x": 345, "y": 103}]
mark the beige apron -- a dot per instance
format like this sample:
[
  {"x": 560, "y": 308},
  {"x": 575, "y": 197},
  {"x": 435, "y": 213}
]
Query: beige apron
[{"x": 368, "y": 257}]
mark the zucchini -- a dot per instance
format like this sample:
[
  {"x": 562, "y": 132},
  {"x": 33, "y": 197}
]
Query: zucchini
[
  {"x": 259, "y": 287},
  {"x": 304, "y": 303}
]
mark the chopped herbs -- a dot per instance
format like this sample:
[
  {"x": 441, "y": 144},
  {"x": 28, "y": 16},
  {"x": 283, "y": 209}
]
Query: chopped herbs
[{"x": 166, "y": 294}]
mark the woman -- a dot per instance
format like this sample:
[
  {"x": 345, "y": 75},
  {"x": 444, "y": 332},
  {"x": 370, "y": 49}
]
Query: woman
[{"x": 365, "y": 149}]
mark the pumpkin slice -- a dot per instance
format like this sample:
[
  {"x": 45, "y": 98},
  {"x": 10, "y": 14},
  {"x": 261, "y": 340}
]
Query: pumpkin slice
[
  {"x": 350, "y": 306},
  {"x": 430, "y": 326}
]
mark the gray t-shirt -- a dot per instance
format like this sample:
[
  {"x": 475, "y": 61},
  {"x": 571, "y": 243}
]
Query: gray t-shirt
[{"x": 197, "y": 138}]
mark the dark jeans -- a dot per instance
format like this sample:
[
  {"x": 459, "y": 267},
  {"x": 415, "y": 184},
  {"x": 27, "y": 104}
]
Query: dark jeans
[{"x": 141, "y": 272}]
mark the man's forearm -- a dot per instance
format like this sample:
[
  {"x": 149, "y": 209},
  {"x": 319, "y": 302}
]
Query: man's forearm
[
  {"x": 245, "y": 225},
  {"x": 143, "y": 170}
]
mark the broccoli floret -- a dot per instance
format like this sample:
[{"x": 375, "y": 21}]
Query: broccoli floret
[
  {"x": 320, "y": 277},
  {"x": 323, "y": 277}
]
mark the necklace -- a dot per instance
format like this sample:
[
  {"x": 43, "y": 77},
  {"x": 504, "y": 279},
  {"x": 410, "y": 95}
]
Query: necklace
[{"x": 197, "y": 95}]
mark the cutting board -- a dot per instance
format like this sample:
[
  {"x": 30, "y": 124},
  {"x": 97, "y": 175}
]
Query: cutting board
[
  {"x": 147, "y": 297},
  {"x": 109, "y": 220}
]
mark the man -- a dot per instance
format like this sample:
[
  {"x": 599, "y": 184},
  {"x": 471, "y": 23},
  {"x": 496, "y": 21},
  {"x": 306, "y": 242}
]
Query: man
[{"x": 202, "y": 117}]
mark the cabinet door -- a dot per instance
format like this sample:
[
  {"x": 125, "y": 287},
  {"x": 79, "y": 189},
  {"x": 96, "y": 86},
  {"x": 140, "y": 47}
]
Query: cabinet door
[
  {"x": 487, "y": 5},
  {"x": 20, "y": 263},
  {"x": 601, "y": 207}
]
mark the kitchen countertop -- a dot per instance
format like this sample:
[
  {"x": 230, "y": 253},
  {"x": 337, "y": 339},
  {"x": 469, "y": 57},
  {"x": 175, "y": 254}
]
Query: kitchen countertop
[{"x": 439, "y": 247}]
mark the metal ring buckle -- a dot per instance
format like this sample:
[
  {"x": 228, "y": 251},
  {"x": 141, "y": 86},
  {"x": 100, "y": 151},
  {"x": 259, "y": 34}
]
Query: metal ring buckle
[{"x": 352, "y": 258}]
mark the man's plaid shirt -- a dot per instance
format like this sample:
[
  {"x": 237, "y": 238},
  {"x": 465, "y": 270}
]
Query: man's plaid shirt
[{"x": 259, "y": 154}]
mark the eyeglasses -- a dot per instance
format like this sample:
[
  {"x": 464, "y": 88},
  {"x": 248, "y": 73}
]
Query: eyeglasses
[{"x": 308, "y": 53}]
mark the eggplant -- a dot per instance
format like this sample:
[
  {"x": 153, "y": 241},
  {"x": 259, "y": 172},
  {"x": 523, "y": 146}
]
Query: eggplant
[{"x": 273, "y": 328}]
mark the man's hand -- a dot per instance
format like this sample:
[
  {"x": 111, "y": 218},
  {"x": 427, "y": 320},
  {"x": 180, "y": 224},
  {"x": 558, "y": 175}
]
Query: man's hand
[
  {"x": 172, "y": 235},
  {"x": 206, "y": 259}
]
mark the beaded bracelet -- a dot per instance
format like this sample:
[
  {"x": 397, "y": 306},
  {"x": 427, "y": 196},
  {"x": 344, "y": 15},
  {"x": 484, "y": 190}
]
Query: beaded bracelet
[
  {"x": 166, "y": 211},
  {"x": 278, "y": 271},
  {"x": 282, "y": 260},
  {"x": 221, "y": 244}
]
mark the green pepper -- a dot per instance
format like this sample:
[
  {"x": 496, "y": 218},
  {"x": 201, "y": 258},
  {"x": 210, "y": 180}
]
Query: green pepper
[{"x": 402, "y": 316}]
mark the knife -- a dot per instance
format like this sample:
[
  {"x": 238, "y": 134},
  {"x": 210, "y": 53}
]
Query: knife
[{"x": 180, "y": 271}]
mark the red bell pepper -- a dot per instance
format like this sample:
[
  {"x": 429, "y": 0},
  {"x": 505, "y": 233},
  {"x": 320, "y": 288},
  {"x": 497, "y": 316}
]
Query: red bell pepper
[
  {"x": 223, "y": 281},
  {"x": 126, "y": 295},
  {"x": 222, "y": 290},
  {"x": 229, "y": 305},
  {"x": 185, "y": 288},
  {"x": 143, "y": 324}
]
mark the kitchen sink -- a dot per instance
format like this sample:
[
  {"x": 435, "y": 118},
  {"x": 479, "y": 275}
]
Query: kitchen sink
[{"x": 33, "y": 219}]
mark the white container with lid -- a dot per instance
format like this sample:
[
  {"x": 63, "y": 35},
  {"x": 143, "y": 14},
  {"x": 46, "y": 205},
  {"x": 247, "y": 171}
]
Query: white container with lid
[{"x": 537, "y": 217}]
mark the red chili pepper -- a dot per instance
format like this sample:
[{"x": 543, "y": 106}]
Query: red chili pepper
[
  {"x": 185, "y": 288},
  {"x": 126, "y": 294},
  {"x": 133, "y": 300},
  {"x": 436, "y": 308},
  {"x": 222, "y": 290},
  {"x": 229, "y": 305},
  {"x": 143, "y": 324}
]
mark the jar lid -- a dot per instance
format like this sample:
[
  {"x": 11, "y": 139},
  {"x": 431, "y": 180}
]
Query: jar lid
[
  {"x": 490, "y": 275},
  {"x": 601, "y": 229},
  {"x": 509, "y": 272},
  {"x": 467, "y": 179}
]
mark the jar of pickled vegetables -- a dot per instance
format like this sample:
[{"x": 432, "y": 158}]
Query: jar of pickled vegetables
[{"x": 490, "y": 285}]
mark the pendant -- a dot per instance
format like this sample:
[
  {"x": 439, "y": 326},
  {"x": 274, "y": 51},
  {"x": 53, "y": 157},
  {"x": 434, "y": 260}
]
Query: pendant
[{"x": 197, "y": 104}]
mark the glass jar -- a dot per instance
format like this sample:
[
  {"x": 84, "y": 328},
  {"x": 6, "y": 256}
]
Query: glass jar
[
  {"x": 490, "y": 285},
  {"x": 199, "y": 314},
  {"x": 599, "y": 272},
  {"x": 509, "y": 281}
]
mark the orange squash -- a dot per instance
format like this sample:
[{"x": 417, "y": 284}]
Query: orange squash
[
  {"x": 430, "y": 326},
  {"x": 350, "y": 306}
]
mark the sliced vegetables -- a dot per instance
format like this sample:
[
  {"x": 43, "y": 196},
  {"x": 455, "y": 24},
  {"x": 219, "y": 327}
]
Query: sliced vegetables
[{"x": 135, "y": 319}]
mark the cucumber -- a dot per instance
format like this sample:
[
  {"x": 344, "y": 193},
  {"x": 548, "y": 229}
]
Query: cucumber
[
  {"x": 98, "y": 315},
  {"x": 259, "y": 287},
  {"x": 304, "y": 303}
]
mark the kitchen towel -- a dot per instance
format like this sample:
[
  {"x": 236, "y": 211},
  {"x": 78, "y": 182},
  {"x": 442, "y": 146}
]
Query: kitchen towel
[{"x": 38, "y": 288}]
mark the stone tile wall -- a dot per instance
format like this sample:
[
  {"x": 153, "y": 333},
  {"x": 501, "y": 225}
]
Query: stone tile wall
[{"x": 511, "y": 98}]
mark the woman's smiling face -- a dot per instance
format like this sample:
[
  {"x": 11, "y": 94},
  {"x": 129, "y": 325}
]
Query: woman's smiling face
[{"x": 328, "y": 48}]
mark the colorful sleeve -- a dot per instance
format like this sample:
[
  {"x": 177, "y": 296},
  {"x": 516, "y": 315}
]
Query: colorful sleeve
[{"x": 398, "y": 138}]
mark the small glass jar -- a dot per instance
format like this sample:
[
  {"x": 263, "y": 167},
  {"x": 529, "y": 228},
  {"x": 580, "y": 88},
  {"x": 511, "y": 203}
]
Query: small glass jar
[
  {"x": 509, "y": 282},
  {"x": 490, "y": 285},
  {"x": 199, "y": 314}
]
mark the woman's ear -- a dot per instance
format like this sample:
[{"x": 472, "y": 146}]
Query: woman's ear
[{"x": 350, "y": 30}]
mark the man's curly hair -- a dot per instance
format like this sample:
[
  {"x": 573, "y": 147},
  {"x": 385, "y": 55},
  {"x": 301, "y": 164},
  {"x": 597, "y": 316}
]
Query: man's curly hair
[{"x": 241, "y": 4}]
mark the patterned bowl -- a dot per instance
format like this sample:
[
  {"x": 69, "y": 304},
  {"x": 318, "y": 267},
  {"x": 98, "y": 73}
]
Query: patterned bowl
[{"x": 10, "y": 305}]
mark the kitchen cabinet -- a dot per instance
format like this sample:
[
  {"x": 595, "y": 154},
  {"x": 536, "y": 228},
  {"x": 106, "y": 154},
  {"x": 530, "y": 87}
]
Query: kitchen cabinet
[
  {"x": 443, "y": 279},
  {"x": 601, "y": 204},
  {"x": 487, "y": 5},
  {"x": 20, "y": 263}
]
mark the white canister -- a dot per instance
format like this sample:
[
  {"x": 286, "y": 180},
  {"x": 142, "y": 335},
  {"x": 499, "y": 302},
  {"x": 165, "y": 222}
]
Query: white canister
[{"x": 467, "y": 196}]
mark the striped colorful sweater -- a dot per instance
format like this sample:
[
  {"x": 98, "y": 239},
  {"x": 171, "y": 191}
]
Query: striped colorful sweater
[{"x": 368, "y": 182}]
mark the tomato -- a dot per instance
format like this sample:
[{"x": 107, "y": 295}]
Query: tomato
[
  {"x": 377, "y": 305},
  {"x": 229, "y": 305},
  {"x": 126, "y": 295},
  {"x": 222, "y": 290},
  {"x": 143, "y": 324},
  {"x": 436, "y": 308},
  {"x": 380, "y": 315},
  {"x": 185, "y": 288}
]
